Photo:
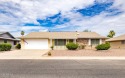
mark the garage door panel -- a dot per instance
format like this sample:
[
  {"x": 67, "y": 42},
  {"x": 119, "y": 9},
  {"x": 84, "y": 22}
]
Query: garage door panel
[{"x": 36, "y": 44}]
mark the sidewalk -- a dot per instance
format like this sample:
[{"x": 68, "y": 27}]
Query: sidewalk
[
  {"x": 63, "y": 58},
  {"x": 64, "y": 55},
  {"x": 84, "y": 58}
]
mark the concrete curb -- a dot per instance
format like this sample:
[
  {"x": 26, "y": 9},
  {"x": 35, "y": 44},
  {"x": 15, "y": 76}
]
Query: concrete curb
[
  {"x": 66, "y": 58},
  {"x": 85, "y": 58}
]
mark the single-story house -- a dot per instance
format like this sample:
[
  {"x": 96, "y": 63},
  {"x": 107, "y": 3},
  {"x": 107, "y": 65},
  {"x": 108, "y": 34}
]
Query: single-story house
[
  {"x": 44, "y": 40},
  {"x": 117, "y": 42},
  {"x": 6, "y": 37}
]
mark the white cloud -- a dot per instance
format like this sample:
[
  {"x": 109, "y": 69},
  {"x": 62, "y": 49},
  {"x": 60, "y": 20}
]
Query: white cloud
[
  {"x": 40, "y": 9},
  {"x": 27, "y": 11},
  {"x": 15, "y": 30},
  {"x": 99, "y": 23}
]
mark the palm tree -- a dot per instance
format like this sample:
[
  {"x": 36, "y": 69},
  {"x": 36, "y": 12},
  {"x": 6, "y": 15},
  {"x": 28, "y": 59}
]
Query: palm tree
[
  {"x": 111, "y": 34},
  {"x": 22, "y": 33}
]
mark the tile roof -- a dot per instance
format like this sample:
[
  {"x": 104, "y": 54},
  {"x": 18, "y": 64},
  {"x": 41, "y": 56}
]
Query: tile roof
[
  {"x": 63, "y": 35},
  {"x": 8, "y": 38},
  {"x": 122, "y": 37},
  {"x": 2, "y": 32}
]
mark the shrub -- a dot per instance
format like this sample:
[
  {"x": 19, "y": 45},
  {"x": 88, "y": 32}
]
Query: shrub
[
  {"x": 18, "y": 46},
  {"x": 52, "y": 47},
  {"x": 105, "y": 46},
  {"x": 5, "y": 47},
  {"x": 81, "y": 46},
  {"x": 72, "y": 46},
  {"x": 49, "y": 54}
]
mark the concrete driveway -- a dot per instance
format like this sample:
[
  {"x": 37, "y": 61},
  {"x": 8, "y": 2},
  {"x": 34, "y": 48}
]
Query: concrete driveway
[{"x": 23, "y": 54}]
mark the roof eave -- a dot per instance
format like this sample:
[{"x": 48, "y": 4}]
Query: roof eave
[
  {"x": 115, "y": 40},
  {"x": 32, "y": 38},
  {"x": 94, "y": 37},
  {"x": 9, "y": 39},
  {"x": 62, "y": 38}
]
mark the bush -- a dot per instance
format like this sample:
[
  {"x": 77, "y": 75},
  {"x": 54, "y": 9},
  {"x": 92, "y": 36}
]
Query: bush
[
  {"x": 18, "y": 46},
  {"x": 52, "y": 47},
  {"x": 72, "y": 46},
  {"x": 5, "y": 47},
  {"x": 81, "y": 46},
  {"x": 105, "y": 46},
  {"x": 49, "y": 54}
]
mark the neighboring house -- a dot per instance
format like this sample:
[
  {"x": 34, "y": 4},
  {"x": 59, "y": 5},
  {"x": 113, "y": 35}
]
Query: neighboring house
[
  {"x": 44, "y": 40},
  {"x": 6, "y": 37},
  {"x": 117, "y": 42}
]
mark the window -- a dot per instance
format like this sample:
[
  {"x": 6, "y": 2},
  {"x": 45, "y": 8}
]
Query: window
[
  {"x": 60, "y": 42},
  {"x": 123, "y": 42},
  {"x": 14, "y": 42},
  {"x": 94, "y": 41},
  {"x": 70, "y": 40},
  {"x": 5, "y": 41}
]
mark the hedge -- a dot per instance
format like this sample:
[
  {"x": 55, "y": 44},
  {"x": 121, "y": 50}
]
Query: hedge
[
  {"x": 18, "y": 46},
  {"x": 72, "y": 46},
  {"x": 5, "y": 47},
  {"x": 105, "y": 46}
]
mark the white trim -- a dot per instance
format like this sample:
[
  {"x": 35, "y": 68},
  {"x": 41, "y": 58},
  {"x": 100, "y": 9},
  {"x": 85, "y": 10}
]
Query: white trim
[
  {"x": 100, "y": 41},
  {"x": 89, "y": 43},
  {"x": 74, "y": 40},
  {"x": 86, "y": 58},
  {"x": 50, "y": 42}
]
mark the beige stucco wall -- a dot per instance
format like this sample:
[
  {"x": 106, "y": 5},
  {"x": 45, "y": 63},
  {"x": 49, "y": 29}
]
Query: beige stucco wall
[
  {"x": 103, "y": 40},
  {"x": 117, "y": 44},
  {"x": 49, "y": 44},
  {"x": 22, "y": 43},
  {"x": 82, "y": 41},
  {"x": 79, "y": 41},
  {"x": 10, "y": 42},
  {"x": 1, "y": 41}
]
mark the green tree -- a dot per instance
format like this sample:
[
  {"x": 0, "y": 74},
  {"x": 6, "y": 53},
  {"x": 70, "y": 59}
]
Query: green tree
[
  {"x": 86, "y": 30},
  {"x": 22, "y": 33},
  {"x": 111, "y": 34}
]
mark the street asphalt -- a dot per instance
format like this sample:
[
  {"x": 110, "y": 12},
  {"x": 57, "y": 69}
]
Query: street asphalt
[{"x": 62, "y": 69}]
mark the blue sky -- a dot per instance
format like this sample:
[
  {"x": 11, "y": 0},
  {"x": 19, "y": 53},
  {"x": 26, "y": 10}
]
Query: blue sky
[{"x": 99, "y": 16}]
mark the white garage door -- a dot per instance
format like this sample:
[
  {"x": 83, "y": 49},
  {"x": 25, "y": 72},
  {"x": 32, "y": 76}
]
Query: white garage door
[{"x": 36, "y": 43}]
